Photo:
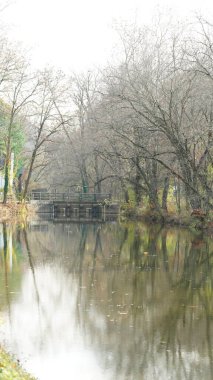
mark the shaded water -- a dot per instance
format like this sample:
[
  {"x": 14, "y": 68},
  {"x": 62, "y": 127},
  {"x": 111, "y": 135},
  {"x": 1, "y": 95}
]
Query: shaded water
[{"x": 107, "y": 301}]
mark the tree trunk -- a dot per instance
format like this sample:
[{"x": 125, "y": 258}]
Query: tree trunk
[
  {"x": 29, "y": 175},
  {"x": 191, "y": 187},
  {"x": 153, "y": 190},
  {"x": 98, "y": 182},
  {"x": 165, "y": 194},
  {"x": 177, "y": 194},
  {"x": 137, "y": 186},
  {"x": 126, "y": 195},
  {"x": 6, "y": 181}
]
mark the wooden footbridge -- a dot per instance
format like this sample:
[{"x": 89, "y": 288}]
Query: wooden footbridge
[{"x": 77, "y": 206}]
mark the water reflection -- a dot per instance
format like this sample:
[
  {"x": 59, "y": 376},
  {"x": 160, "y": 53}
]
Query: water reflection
[{"x": 107, "y": 301}]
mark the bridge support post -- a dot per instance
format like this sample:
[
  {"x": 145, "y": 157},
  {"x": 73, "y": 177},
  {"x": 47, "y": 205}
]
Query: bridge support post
[
  {"x": 104, "y": 212},
  {"x": 88, "y": 211},
  {"x": 76, "y": 211}
]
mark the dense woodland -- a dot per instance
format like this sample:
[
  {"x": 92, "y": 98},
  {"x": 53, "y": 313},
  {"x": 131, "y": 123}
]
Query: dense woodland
[{"x": 141, "y": 128}]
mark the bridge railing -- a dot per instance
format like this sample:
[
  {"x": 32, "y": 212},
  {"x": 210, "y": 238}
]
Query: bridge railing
[{"x": 66, "y": 197}]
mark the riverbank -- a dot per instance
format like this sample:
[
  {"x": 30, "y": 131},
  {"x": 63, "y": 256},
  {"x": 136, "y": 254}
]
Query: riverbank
[
  {"x": 185, "y": 220},
  {"x": 13, "y": 211},
  {"x": 11, "y": 369}
]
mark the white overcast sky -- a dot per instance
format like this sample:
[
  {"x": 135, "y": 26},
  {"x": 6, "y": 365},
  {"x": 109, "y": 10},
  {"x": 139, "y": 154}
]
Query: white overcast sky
[{"x": 78, "y": 34}]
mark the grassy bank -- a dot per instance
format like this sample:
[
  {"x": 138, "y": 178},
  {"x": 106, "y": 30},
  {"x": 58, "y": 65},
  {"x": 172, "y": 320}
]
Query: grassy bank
[{"x": 10, "y": 369}]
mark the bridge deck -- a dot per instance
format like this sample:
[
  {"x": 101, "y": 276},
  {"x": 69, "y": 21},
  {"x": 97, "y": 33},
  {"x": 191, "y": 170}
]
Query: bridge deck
[{"x": 75, "y": 205}]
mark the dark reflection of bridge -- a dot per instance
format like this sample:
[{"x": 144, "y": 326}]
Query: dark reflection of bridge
[{"x": 73, "y": 207}]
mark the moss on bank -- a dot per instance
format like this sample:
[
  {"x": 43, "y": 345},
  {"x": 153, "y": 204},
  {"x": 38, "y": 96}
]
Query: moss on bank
[{"x": 10, "y": 369}]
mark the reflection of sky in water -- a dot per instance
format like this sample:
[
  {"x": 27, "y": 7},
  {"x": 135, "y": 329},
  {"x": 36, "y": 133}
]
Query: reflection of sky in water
[
  {"x": 43, "y": 327},
  {"x": 119, "y": 314},
  {"x": 46, "y": 332}
]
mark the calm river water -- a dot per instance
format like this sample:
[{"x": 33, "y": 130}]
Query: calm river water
[{"x": 107, "y": 301}]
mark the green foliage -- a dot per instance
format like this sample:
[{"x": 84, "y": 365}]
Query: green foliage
[
  {"x": 17, "y": 136},
  {"x": 10, "y": 370},
  {"x": 2, "y": 133},
  {"x": 128, "y": 208},
  {"x": 131, "y": 194},
  {"x": 210, "y": 172}
]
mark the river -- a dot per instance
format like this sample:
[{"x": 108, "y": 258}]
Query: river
[{"x": 107, "y": 301}]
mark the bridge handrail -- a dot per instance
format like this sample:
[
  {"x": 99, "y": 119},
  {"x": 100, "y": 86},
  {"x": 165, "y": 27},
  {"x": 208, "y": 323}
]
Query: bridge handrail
[{"x": 78, "y": 197}]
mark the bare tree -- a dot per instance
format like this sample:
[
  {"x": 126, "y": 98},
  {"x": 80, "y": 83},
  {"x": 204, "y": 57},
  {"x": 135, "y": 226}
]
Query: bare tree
[
  {"x": 44, "y": 118},
  {"x": 156, "y": 99}
]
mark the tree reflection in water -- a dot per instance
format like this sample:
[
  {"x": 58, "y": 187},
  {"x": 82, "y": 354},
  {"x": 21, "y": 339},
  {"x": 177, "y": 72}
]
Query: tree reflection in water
[{"x": 141, "y": 295}]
